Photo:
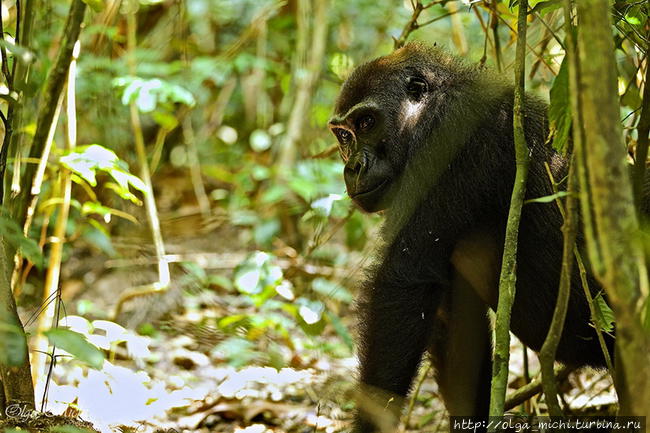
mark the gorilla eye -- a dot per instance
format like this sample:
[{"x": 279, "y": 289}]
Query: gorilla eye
[
  {"x": 365, "y": 122},
  {"x": 416, "y": 87},
  {"x": 344, "y": 136}
]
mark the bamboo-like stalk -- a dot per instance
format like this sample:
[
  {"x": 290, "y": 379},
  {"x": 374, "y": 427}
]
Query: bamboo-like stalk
[
  {"x": 51, "y": 289},
  {"x": 149, "y": 199},
  {"x": 195, "y": 167},
  {"x": 508, "y": 278}
]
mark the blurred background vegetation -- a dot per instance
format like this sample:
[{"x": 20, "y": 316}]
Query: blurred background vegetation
[{"x": 247, "y": 252}]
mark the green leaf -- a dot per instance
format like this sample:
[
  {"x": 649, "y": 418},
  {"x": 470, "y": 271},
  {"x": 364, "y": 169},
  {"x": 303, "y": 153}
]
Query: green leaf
[
  {"x": 237, "y": 351},
  {"x": 96, "y": 5},
  {"x": 149, "y": 94},
  {"x": 23, "y": 54},
  {"x": 331, "y": 290},
  {"x": 76, "y": 345},
  {"x": 604, "y": 315},
  {"x": 340, "y": 329},
  {"x": 559, "y": 112},
  {"x": 341, "y": 64},
  {"x": 547, "y": 198},
  {"x": 13, "y": 234},
  {"x": 544, "y": 6}
]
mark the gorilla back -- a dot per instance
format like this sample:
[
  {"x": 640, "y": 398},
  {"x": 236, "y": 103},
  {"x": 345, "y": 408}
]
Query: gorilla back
[{"x": 429, "y": 140}]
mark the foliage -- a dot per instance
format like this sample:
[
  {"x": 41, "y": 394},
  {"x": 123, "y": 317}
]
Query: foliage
[{"x": 214, "y": 83}]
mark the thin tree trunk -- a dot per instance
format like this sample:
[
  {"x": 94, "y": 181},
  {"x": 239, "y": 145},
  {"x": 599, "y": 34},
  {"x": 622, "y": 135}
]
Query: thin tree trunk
[
  {"x": 617, "y": 255},
  {"x": 16, "y": 378},
  {"x": 508, "y": 279}
]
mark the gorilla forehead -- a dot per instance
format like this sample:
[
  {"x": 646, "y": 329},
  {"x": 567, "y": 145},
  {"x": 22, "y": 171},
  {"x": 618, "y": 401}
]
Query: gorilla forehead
[{"x": 372, "y": 79}]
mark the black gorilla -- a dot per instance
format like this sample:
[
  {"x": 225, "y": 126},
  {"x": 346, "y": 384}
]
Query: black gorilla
[{"x": 429, "y": 140}]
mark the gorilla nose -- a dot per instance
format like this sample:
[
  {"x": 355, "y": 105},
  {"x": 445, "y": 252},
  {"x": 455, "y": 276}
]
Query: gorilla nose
[{"x": 360, "y": 164}]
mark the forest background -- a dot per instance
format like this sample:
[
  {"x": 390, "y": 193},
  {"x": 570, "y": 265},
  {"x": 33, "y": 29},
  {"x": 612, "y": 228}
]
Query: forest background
[{"x": 179, "y": 213}]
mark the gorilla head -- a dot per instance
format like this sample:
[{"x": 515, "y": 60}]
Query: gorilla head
[{"x": 384, "y": 109}]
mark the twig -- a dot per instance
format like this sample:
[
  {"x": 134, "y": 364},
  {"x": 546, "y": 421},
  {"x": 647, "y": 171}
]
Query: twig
[
  {"x": 412, "y": 24},
  {"x": 423, "y": 376},
  {"x": 533, "y": 388},
  {"x": 532, "y": 49}
]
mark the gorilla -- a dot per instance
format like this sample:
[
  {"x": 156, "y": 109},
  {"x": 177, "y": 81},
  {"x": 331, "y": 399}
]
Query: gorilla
[{"x": 428, "y": 140}]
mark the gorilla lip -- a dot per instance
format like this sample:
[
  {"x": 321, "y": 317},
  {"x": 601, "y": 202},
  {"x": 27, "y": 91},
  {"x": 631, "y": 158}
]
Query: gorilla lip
[{"x": 371, "y": 190}]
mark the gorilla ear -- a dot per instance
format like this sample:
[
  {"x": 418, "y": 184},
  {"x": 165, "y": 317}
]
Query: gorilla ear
[{"x": 416, "y": 88}]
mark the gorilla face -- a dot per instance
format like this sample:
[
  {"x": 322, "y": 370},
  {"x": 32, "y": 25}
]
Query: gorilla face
[{"x": 377, "y": 114}]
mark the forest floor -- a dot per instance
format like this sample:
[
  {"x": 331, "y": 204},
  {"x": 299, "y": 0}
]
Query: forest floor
[{"x": 163, "y": 373}]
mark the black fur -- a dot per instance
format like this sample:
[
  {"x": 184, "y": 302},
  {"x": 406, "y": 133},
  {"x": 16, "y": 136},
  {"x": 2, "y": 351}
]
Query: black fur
[{"x": 449, "y": 170}]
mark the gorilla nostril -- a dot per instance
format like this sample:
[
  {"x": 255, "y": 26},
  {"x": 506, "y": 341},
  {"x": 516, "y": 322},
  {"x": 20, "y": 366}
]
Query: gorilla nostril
[{"x": 357, "y": 166}]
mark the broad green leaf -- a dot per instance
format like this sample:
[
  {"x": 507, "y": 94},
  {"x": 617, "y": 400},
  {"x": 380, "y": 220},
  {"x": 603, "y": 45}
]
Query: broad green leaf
[
  {"x": 76, "y": 345},
  {"x": 604, "y": 315},
  {"x": 13, "y": 234},
  {"x": 148, "y": 94}
]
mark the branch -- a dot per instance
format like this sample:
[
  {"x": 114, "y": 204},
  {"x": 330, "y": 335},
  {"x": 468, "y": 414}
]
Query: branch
[
  {"x": 533, "y": 388},
  {"x": 413, "y": 25}
]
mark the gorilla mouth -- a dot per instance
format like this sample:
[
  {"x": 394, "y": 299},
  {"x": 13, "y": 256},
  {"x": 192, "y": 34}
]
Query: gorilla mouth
[{"x": 370, "y": 190}]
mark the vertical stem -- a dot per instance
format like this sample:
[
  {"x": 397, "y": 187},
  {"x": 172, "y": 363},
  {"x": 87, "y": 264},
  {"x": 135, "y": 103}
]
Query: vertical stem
[
  {"x": 643, "y": 129},
  {"x": 149, "y": 200},
  {"x": 508, "y": 278},
  {"x": 494, "y": 24},
  {"x": 51, "y": 288},
  {"x": 549, "y": 348},
  {"x": 195, "y": 166}
]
